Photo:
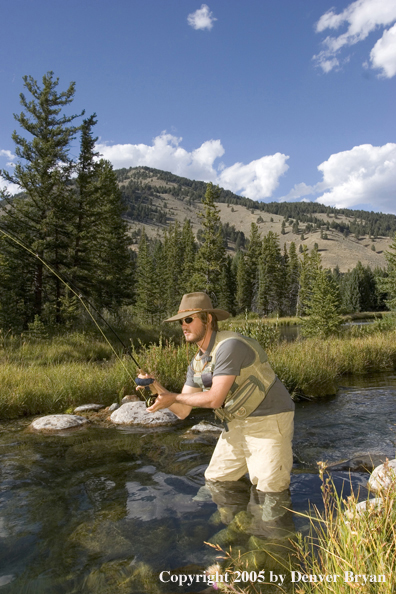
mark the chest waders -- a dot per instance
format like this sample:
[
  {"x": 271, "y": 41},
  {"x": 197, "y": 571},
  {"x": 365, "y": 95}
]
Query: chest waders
[{"x": 250, "y": 387}]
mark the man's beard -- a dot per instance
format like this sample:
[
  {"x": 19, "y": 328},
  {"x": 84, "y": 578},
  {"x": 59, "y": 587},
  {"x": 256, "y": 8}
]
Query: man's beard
[{"x": 198, "y": 337}]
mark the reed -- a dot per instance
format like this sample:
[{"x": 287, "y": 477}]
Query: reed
[
  {"x": 348, "y": 544},
  {"x": 37, "y": 389}
]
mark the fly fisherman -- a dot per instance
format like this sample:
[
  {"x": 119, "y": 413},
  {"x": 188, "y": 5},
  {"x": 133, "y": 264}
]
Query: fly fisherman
[{"x": 231, "y": 374}]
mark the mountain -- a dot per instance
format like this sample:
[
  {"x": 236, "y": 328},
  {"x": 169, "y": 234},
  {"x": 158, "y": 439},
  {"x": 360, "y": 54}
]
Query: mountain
[{"x": 156, "y": 198}]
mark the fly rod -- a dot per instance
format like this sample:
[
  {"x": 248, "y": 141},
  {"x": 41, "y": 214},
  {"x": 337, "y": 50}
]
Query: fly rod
[{"x": 144, "y": 383}]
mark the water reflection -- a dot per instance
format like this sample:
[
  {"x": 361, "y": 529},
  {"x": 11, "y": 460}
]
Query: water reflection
[
  {"x": 105, "y": 510},
  {"x": 241, "y": 506}
]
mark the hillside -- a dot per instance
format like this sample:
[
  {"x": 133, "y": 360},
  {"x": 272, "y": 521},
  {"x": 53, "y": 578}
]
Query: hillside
[{"x": 157, "y": 198}]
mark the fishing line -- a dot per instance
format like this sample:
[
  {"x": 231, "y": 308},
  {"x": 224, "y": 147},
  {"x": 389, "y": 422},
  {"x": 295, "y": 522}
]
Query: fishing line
[{"x": 79, "y": 296}]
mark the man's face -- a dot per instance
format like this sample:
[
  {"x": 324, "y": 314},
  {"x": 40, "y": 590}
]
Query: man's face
[{"x": 195, "y": 331}]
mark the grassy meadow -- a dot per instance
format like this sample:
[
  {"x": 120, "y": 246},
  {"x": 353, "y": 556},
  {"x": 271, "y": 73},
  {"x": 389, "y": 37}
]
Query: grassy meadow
[{"x": 49, "y": 375}]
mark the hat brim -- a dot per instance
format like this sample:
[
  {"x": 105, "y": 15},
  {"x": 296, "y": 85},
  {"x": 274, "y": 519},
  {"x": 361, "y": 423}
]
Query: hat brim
[{"x": 220, "y": 314}]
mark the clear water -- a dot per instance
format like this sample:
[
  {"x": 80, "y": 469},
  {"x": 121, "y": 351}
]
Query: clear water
[{"x": 105, "y": 509}]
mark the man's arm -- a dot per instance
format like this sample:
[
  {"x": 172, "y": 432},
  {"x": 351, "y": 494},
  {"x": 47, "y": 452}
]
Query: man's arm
[{"x": 181, "y": 404}]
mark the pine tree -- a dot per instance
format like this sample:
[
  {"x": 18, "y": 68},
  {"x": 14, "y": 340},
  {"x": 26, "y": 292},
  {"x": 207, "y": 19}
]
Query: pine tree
[
  {"x": 322, "y": 307},
  {"x": 388, "y": 285},
  {"x": 189, "y": 249},
  {"x": 146, "y": 284},
  {"x": 270, "y": 291},
  {"x": 110, "y": 243},
  {"x": 293, "y": 273},
  {"x": 211, "y": 255},
  {"x": 359, "y": 290},
  {"x": 43, "y": 172},
  {"x": 309, "y": 268},
  {"x": 252, "y": 266},
  {"x": 242, "y": 294}
]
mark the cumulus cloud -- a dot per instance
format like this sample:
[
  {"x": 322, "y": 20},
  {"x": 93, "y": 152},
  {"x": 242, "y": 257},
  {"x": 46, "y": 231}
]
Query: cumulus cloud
[
  {"x": 364, "y": 175},
  {"x": 202, "y": 18},
  {"x": 383, "y": 54},
  {"x": 257, "y": 179},
  {"x": 361, "y": 17}
]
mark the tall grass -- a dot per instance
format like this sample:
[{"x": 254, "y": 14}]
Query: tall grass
[
  {"x": 345, "y": 543},
  {"x": 39, "y": 389},
  {"x": 51, "y": 375},
  {"x": 312, "y": 367}
]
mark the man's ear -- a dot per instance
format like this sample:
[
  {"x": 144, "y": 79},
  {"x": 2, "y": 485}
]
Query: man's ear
[{"x": 210, "y": 318}]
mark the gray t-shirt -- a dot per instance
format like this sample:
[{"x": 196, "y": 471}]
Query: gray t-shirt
[{"x": 234, "y": 355}]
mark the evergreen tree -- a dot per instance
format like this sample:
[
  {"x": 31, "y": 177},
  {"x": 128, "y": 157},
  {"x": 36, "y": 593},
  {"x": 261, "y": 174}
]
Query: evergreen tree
[
  {"x": 227, "y": 287},
  {"x": 309, "y": 268},
  {"x": 211, "y": 254},
  {"x": 189, "y": 249},
  {"x": 293, "y": 273},
  {"x": 388, "y": 284},
  {"x": 146, "y": 282},
  {"x": 322, "y": 307},
  {"x": 242, "y": 294},
  {"x": 110, "y": 243},
  {"x": 359, "y": 290},
  {"x": 270, "y": 292},
  {"x": 43, "y": 172},
  {"x": 252, "y": 267}
]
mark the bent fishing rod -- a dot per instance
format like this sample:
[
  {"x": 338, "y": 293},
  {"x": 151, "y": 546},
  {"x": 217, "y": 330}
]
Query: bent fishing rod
[{"x": 145, "y": 383}]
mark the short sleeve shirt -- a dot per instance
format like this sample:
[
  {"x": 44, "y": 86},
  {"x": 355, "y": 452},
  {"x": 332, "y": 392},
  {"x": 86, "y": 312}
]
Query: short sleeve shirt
[{"x": 234, "y": 355}]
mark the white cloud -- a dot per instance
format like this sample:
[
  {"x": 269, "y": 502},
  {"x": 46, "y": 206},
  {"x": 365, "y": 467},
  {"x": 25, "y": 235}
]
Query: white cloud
[
  {"x": 5, "y": 185},
  {"x": 362, "y": 17},
  {"x": 364, "y": 175},
  {"x": 383, "y": 54},
  {"x": 202, "y": 18},
  {"x": 257, "y": 179}
]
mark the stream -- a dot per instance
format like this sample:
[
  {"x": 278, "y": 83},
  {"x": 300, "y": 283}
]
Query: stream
[{"x": 106, "y": 509}]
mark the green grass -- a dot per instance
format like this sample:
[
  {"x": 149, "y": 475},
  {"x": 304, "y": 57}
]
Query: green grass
[
  {"x": 343, "y": 541},
  {"x": 313, "y": 366},
  {"x": 42, "y": 376}
]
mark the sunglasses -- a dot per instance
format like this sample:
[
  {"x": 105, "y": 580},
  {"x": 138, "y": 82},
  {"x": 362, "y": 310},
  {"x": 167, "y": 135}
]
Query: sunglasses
[{"x": 186, "y": 320}]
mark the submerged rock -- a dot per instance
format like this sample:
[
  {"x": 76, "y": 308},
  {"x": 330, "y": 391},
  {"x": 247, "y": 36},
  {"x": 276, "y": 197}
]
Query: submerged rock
[
  {"x": 365, "y": 462},
  {"x": 135, "y": 413},
  {"x": 205, "y": 428},
  {"x": 88, "y": 407},
  {"x": 384, "y": 476},
  {"x": 58, "y": 422}
]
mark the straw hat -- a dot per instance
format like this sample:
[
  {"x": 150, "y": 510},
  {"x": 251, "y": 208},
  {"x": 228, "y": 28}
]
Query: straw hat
[{"x": 193, "y": 303}]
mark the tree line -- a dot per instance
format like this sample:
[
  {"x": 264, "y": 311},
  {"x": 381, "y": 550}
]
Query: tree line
[
  {"x": 261, "y": 278},
  {"x": 138, "y": 189}
]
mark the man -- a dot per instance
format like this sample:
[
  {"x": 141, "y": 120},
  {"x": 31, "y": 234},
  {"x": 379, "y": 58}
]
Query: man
[{"x": 231, "y": 374}]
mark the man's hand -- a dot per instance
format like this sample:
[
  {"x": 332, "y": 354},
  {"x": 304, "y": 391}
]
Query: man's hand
[
  {"x": 162, "y": 401},
  {"x": 155, "y": 386}
]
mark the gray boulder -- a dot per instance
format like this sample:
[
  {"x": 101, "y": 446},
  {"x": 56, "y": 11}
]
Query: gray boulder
[
  {"x": 88, "y": 408},
  {"x": 365, "y": 506},
  {"x": 113, "y": 407},
  {"x": 58, "y": 422},
  {"x": 384, "y": 476},
  {"x": 135, "y": 413}
]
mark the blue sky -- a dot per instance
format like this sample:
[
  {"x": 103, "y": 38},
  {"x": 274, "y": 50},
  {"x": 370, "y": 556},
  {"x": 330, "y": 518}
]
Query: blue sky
[{"x": 286, "y": 100}]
